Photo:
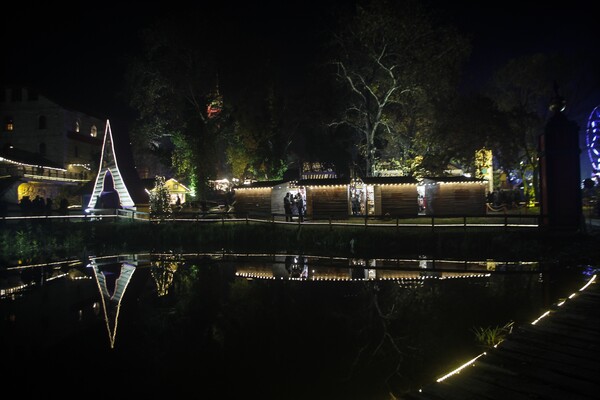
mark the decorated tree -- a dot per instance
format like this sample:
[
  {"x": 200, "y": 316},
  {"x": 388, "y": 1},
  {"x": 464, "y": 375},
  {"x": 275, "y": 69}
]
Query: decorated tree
[{"x": 160, "y": 199}]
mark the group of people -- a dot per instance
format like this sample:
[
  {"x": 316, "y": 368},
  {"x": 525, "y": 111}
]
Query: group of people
[
  {"x": 293, "y": 205},
  {"x": 40, "y": 206},
  {"x": 296, "y": 266}
]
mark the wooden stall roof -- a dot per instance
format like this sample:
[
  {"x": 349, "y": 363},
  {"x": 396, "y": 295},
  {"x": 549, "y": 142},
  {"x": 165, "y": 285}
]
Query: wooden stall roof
[
  {"x": 389, "y": 180},
  {"x": 260, "y": 184},
  {"x": 454, "y": 179},
  {"x": 323, "y": 182}
]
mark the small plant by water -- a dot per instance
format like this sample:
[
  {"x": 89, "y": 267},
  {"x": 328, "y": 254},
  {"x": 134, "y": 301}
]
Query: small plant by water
[{"x": 488, "y": 337}]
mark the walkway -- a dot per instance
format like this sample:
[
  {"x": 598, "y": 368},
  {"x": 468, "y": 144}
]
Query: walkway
[{"x": 556, "y": 358}]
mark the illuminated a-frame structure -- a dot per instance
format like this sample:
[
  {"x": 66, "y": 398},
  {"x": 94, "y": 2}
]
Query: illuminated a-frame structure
[
  {"x": 112, "y": 294},
  {"x": 109, "y": 169}
]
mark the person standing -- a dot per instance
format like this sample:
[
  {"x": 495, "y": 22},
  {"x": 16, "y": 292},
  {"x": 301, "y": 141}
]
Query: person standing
[
  {"x": 300, "y": 206},
  {"x": 355, "y": 205},
  {"x": 287, "y": 207}
]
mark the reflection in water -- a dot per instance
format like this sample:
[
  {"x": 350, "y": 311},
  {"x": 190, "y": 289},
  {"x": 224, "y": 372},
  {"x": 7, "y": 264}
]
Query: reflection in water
[
  {"x": 409, "y": 271},
  {"x": 112, "y": 279},
  {"x": 14, "y": 281},
  {"x": 277, "y": 326},
  {"x": 163, "y": 271}
]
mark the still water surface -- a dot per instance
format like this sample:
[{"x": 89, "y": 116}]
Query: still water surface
[{"x": 222, "y": 325}]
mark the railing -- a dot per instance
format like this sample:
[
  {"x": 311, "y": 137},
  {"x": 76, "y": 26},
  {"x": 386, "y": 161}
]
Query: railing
[
  {"x": 43, "y": 173},
  {"x": 433, "y": 222},
  {"x": 503, "y": 220}
]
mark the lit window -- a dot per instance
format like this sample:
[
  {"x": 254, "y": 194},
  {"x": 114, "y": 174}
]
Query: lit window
[
  {"x": 77, "y": 126},
  {"x": 42, "y": 122},
  {"x": 8, "y": 124},
  {"x": 94, "y": 131}
]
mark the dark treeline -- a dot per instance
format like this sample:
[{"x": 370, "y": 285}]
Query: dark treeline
[{"x": 253, "y": 91}]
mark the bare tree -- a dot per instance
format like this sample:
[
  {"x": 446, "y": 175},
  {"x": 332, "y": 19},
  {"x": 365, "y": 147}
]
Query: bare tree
[{"x": 395, "y": 66}]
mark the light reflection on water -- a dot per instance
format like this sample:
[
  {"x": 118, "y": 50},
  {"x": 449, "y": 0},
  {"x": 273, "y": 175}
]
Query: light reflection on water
[{"x": 263, "y": 324}]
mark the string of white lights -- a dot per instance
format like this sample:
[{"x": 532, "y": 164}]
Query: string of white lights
[{"x": 545, "y": 314}]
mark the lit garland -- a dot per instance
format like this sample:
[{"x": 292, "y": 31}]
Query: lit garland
[
  {"x": 53, "y": 178},
  {"x": 545, "y": 314},
  {"x": 252, "y": 188},
  {"x": 84, "y": 166},
  {"x": 68, "y": 263},
  {"x": 30, "y": 165},
  {"x": 469, "y": 363}
]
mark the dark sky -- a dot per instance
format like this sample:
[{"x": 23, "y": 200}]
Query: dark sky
[{"x": 76, "y": 53}]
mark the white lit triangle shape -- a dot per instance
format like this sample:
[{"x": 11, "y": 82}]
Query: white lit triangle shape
[{"x": 108, "y": 162}]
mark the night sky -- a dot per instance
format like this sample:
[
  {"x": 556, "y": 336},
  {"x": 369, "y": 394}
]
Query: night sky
[{"x": 77, "y": 54}]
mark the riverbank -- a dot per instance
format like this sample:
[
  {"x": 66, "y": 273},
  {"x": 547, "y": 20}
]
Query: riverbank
[{"x": 35, "y": 241}]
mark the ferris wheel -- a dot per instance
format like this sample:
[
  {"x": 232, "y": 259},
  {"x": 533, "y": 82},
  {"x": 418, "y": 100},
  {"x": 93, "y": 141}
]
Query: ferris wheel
[{"x": 593, "y": 141}]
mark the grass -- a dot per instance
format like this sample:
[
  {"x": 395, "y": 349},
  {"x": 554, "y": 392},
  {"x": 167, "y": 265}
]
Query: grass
[
  {"x": 41, "y": 240},
  {"x": 488, "y": 337}
]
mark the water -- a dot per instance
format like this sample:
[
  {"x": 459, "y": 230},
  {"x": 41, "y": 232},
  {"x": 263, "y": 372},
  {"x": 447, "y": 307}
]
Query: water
[{"x": 271, "y": 326}]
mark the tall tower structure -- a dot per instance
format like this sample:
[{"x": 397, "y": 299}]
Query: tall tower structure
[{"x": 560, "y": 173}]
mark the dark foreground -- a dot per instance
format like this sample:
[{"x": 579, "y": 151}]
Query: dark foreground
[{"x": 262, "y": 326}]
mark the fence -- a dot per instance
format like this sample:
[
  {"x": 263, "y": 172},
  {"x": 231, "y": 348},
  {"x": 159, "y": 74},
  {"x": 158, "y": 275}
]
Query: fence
[{"x": 503, "y": 221}]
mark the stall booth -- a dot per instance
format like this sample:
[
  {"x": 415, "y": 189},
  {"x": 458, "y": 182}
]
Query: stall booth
[
  {"x": 391, "y": 195},
  {"x": 262, "y": 198},
  {"x": 454, "y": 195},
  {"x": 177, "y": 191},
  {"x": 326, "y": 198}
]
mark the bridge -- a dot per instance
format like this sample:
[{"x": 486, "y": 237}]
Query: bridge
[{"x": 556, "y": 357}]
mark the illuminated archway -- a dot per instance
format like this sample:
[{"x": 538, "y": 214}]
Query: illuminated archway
[
  {"x": 109, "y": 168},
  {"x": 109, "y": 197}
]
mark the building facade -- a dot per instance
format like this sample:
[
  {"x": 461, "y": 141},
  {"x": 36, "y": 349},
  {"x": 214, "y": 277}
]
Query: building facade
[{"x": 44, "y": 145}]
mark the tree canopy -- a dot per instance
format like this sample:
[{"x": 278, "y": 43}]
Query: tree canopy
[
  {"x": 376, "y": 84},
  {"x": 398, "y": 68},
  {"x": 523, "y": 90},
  {"x": 171, "y": 83}
]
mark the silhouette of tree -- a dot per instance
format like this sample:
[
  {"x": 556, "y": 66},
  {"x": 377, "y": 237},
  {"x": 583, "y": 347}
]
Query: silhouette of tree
[{"x": 397, "y": 68}]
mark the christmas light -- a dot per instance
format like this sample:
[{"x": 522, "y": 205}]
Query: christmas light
[{"x": 108, "y": 164}]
